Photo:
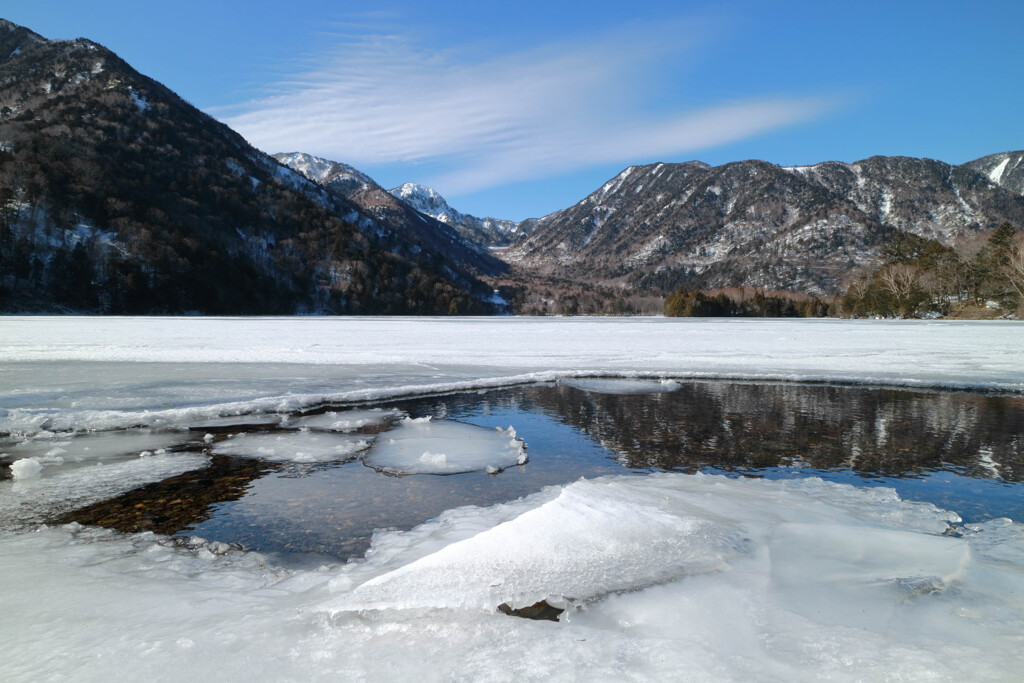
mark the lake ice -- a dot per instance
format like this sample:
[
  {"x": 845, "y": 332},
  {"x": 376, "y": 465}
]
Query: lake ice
[
  {"x": 425, "y": 446},
  {"x": 299, "y": 447},
  {"x": 663, "y": 576}
]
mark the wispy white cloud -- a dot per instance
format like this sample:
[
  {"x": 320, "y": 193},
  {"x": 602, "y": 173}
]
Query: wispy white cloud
[{"x": 504, "y": 118}]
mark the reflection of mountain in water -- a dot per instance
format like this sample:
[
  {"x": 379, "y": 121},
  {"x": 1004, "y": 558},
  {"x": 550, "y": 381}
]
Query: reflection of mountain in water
[
  {"x": 589, "y": 430},
  {"x": 739, "y": 426}
]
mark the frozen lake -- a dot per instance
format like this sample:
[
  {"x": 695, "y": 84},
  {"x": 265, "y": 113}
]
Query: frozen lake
[
  {"x": 285, "y": 443},
  {"x": 313, "y": 497}
]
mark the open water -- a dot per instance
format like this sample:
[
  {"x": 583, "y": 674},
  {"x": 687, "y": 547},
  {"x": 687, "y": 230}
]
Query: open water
[{"x": 960, "y": 451}]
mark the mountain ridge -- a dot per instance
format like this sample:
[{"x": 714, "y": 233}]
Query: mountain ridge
[
  {"x": 110, "y": 181},
  {"x": 117, "y": 196},
  {"x": 845, "y": 212},
  {"x": 352, "y": 183},
  {"x": 488, "y": 231},
  {"x": 372, "y": 200},
  {"x": 754, "y": 223}
]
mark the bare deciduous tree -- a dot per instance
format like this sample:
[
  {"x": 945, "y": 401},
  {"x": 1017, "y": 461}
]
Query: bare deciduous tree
[
  {"x": 1013, "y": 269},
  {"x": 901, "y": 280}
]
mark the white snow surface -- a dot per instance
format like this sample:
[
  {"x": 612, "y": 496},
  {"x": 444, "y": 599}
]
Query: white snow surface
[
  {"x": 996, "y": 174},
  {"x": 663, "y": 577},
  {"x": 138, "y": 100},
  {"x": 425, "y": 446},
  {"x": 322, "y": 171}
]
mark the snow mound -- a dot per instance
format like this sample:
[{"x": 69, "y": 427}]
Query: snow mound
[
  {"x": 296, "y": 447},
  {"x": 590, "y": 540},
  {"x": 345, "y": 421},
  {"x": 26, "y": 468},
  {"x": 425, "y": 446}
]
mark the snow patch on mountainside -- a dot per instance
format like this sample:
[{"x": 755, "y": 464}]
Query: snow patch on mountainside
[
  {"x": 996, "y": 173},
  {"x": 613, "y": 185}
]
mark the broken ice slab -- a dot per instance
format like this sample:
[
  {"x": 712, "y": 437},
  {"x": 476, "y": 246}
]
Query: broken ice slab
[
  {"x": 624, "y": 386},
  {"x": 248, "y": 420},
  {"x": 295, "y": 447},
  {"x": 345, "y": 420},
  {"x": 425, "y": 446},
  {"x": 66, "y": 451}
]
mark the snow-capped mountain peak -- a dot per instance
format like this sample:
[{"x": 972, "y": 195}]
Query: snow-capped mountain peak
[
  {"x": 323, "y": 171},
  {"x": 426, "y": 200},
  {"x": 491, "y": 232},
  {"x": 422, "y": 200}
]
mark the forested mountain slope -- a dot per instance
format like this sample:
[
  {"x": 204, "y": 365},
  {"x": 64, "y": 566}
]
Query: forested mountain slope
[
  {"x": 117, "y": 196},
  {"x": 754, "y": 223}
]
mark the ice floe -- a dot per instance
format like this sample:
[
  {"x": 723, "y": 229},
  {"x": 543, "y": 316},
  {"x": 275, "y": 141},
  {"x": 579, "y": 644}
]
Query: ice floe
[
  {"x": 426, "y": 446},
  {"x": 67, "y": 449},
  {"x": 294, "y": 447}
]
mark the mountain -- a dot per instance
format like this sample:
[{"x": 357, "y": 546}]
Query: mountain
[
  {"x": 802, "y": 228},
  {"x": 117, "y": 196},
  {"x": 401, "y": 219},
  {"x": 489, "y": 232},
  {"x": 355, "y": 185},
  {"x": 344, "y": 179},
  {"x": 1005, "y": 169}
]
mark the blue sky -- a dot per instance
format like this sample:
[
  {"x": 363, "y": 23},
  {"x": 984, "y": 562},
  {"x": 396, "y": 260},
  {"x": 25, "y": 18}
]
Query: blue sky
[{"x": 522, "y": 110}]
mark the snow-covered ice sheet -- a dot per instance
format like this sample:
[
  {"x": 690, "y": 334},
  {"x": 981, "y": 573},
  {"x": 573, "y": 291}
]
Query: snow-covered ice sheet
[
  {"x": 665, "y": 577},
  {"x": 426, "y": 446},
  {"x": 61, "y": 373},
  {"x": 294, "y": 447}
]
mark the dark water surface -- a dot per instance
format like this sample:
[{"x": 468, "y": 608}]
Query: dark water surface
[{"x": 960, "y": 451}]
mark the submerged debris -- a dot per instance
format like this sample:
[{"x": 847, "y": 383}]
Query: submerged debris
[
  {"x": 174, "y": 504},
  {"x": 540, "y": 611}
]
